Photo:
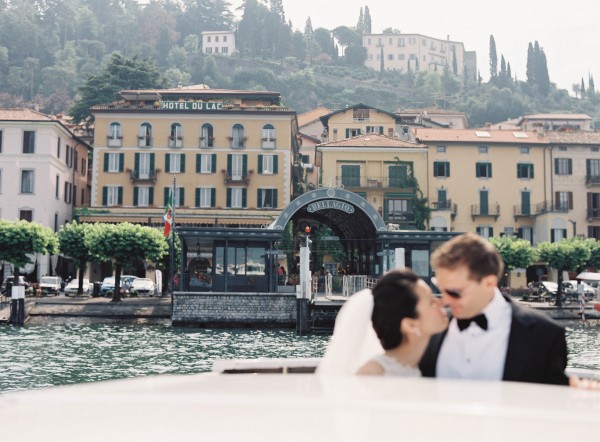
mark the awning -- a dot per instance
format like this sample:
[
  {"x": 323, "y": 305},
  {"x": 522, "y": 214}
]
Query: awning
[{"x": 588, "y": 276}]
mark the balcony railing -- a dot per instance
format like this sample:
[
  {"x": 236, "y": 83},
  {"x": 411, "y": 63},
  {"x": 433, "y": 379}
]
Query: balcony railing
[
  {"x": 491, "y": 210},
  {"x": 377, "y": 182},
  {"x": 147, "y": 175},
  {"x": 243, "y": 180},
  {"x": 523, "y": 211},
  {"x": 175, "y": 141},
  {"x": 445, "y": 206},
  {"x": 546, "y": 207},
  {"x": 593, "y": 214},
  {"x": 592, "y": 180}
]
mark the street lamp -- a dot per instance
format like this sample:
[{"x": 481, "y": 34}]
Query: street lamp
[{"x": 574, "y": 227}]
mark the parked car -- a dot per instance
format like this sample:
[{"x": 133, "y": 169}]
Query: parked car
[
  {"x": 142, "y": 286},
  {"x": 570, "y": 289},
  {"x": 51, "y": 285},
  {"x": 108, "y": 284},
  {"x": 72, "y": 287},
  {"x": 10, "y": 279}
]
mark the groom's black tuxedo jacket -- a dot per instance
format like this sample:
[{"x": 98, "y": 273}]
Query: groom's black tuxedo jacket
[{"x": 537, "y": 349}]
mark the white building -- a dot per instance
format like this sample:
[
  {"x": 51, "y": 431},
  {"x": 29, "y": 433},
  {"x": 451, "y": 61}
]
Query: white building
[
  {"x": 218, "y": 42},
  {"x": 43, "y": 171}
]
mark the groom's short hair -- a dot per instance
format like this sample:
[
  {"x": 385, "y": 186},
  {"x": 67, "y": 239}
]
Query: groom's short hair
[{"x": 471, "y": 250}]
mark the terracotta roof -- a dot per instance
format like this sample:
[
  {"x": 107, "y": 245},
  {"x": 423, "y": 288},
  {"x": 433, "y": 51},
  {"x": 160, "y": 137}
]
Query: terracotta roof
[
  {"x": 312, "y": 115},
  {"x": 12, "y": 114},
  {"x": 481, "y": 136},
  {"x": 579, "y": 137},
  {"x": 556, "y": 117},
  {"x": 373, "y": 140}
]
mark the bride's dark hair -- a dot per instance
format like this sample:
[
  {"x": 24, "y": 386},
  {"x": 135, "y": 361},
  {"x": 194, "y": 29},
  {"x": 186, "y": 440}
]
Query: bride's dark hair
[{"x": 394, "y": 299}]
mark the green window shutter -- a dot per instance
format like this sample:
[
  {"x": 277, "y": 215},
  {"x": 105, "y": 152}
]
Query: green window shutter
[
  {"x": 166, "y": 199},
  {"x": 477, "y": 174},
  {"x": 229, "y": 160},
  {"x": 447, "y": 169},
  {"x": 181, "y": 197},
  {"x": 244, "y": 192},
  {"x": 275, "y": 165},
  {"x": 120, "y": 192},
  {"x": 197, "y": 204},
  {"x": 213, "y": 197},
  {"x": 259, "y": 198},
  {"x": 260, "y": 164},
  {"x": 135, "y": 195},
  {"x": 213, "y": 165},
  {"x": 121, "y": 162},
  {"x": 570, "y": 166},
  {"x": 167, "y": 163},
  {"x": 347, "y": 133},
  {"x": 556, "y": 165},
  {"x": 136, "y": 163},
  {"x": 106, "y": 162},
  {"x": 380, "y": 130},
  {"x": 489, "y": 168},
  {"x": 245, "y": 165},
  {"x": 104, "y": 196},
  {"x": 198, "y": 162},
  {"x": 151, "y": 195},
  {"x": 182, "y": 163},
  {"x": 359, "y": 131},
  {"x": 151, "y": 163},
  {"x": 275, "y": 205},
  {"x": 519, "y": 171},
  {"x": 531, "y": 175},
  {"x": 228, "y": 197}
]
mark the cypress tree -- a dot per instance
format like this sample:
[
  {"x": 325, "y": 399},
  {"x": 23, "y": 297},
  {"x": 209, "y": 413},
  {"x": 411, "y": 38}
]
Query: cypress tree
[
  {"x": 367, "y": 21},
  {"x": 582, "y": 88},
  {"x": 493, "y": 58},
  {"x": 360, "y": 26},
  {"x": 530, "y": 73}
]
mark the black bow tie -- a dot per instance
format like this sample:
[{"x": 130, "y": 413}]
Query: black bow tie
[{"x": 480, "y": 320}]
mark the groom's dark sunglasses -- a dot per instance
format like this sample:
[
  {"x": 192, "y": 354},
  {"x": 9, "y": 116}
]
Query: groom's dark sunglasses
[{"x": 452, "y": 293}]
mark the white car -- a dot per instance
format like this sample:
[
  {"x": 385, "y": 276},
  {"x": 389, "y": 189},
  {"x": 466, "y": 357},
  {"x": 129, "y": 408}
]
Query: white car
[
  {"x": 142, "y": 286},
  {"x": 51, "y": 285},
  {"x": 73, "y": 286}
]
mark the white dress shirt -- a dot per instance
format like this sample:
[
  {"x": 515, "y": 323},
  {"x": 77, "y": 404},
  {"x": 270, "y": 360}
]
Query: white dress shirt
[{"x": 475, "y": 353}]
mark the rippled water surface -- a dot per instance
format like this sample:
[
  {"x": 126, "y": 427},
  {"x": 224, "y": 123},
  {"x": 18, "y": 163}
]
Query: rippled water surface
[{"x": 46, "y": 355}]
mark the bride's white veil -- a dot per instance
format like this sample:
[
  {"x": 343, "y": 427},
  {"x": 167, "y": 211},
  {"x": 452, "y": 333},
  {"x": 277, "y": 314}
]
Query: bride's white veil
[{"x": 354, "y": 341}]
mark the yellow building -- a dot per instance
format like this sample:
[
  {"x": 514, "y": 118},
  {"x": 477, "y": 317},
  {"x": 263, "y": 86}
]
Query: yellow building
[
  {"x": 230, "y": 154},
  {"x": 358, "y": 120}
]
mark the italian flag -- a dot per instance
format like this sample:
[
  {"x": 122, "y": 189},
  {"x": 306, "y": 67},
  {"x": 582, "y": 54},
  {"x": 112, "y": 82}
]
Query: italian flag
[{"x": 168, "y": 217}]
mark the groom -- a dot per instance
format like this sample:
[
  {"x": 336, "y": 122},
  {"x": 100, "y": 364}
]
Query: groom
[{"x": 489, "y": 337}]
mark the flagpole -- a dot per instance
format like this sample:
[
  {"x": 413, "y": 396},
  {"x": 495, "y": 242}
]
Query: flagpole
[{"x": 172, "y": 264}]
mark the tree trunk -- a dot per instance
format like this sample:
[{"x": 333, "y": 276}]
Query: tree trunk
[
  {"x": 81, "y": 271},
  {"x": 559, "y": 290},
  {"x": 117, "y": 293}
]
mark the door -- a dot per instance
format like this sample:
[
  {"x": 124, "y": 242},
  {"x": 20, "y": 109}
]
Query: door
[{"x": 483, "y": 202}]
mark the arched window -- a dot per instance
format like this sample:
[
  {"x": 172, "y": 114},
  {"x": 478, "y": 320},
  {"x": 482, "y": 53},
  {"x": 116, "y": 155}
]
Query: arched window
[
  {"x": 268, "y": 137},
  {"x": 176, "y": 135},
  {"x": 115, "y": 135},
  {"x": 238, "y": 138},
  {"x": 207, "y": 138},
  {"x": 145, "y": 135}
]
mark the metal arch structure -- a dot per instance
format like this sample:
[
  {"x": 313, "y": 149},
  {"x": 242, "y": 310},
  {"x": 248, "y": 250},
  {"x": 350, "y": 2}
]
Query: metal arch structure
[{"x": 342, "y": 195}]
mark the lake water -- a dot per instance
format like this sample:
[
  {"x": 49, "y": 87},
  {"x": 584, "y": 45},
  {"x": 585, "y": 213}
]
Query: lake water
[{"x": 47, "y": 355}]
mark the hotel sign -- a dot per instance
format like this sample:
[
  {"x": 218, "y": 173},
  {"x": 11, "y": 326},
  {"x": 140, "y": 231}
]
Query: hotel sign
[
  {"x": 330, "y": 204},
  {"x": 191, "y": 105}
]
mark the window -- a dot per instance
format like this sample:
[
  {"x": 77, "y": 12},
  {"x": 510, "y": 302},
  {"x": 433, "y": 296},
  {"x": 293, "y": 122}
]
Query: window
[
  {"x": 176, "y": 135},
  {"x": 57, "y": 187},
  {"x": 68, "y": 192},
  {"x": 207, "y": 138},
  {"x": 206, "y": 163},
  {"x": 237, "y": 166},
  {"x": 400, "y": 41},
  {"x": 440, "y": 149},
  {"x": 26, "y": 215},
  {"x": 484, "y": 205},
  {"x": 143, "y": 196},
  {"x": 75, "y": 159},
  {"x": 208, "y": 39},
  {"x": 28, "y": 141},
  {"x": 375, "y": 130},
  {"x": 525, "y": 233},
  {"x": 267, "y": 164},
  {"x": 112, "y": 196},
  {"x": 563, "y": 166},
  {"x": 115, "y": 135},
  {"x": 351, "y": 175},
  {"x": 236, "y": 197},
  {"x": 83, "y": 167},
  {"x": 360, "y": 114},
  {"x": 592, "y": 171},
  {"x": 58, "y": 148},
  {"x": 237, "y": 137},
  {"x": 205, "y": 197},
  {"x": 397, "y": 209},
  {"x": 483, "y": 170},
  {"x": 114, "y": 162},
  {"x": 216, "y": 38},
  {"x": 483, "y": 149},
  {"x": 593, "y": 205},
  {"x": 352, "y": 133},
  {"x": 525, "y": 202},
  {"x": 562, "y": 148},
  {"x": 27, "y": 181},
  {"x": 68, "y": 156},
  {"x": 390, "y": 57},
  {"x": 557, "y": 234},
  {"x": 175, "y": 163},
  {"x": 485, "y": 231},
  {"x": 145, "y": 135},
  {"x": 563, "y": 200},
  {"x": 401, "y": 57},
  {"x": 268, "y": 137},
  {"x": 224, "y": 38},
  {"x": 412, "y": 40},
  {"x": 266, "y": 199},
  {"x": 398, "y": 176},
  {"x": 144, "y": 166},
  {"x": 524, "y": 170},
  {"x": 441, "y": 168},
  {"x": 178, "y": 198},
  {"x": 224, "y": 50}
]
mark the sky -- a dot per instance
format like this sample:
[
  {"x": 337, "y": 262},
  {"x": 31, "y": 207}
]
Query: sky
[{"x": 569, "y": 33}]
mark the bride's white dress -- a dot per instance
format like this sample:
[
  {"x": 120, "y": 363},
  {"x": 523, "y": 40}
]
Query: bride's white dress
[{"x": 354, "y": 341}]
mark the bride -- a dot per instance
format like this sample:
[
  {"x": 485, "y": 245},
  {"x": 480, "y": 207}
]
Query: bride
[{"x": 386, "y": 331}]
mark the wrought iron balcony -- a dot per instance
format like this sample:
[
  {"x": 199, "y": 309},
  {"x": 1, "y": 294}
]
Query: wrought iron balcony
[
  {"x": 492, "y": 210},
  {"x": 593, "y": 214},
  {"x": 523, "y": 211},
  {"x": 148, "y": 176},
  {"x": 243, "y": 180},
  {"x": 592, "y": 180},
  {"x": 444, "y": 206},
  {"x": 546, "y": 207},
  {"x": 370, "y": 182}
]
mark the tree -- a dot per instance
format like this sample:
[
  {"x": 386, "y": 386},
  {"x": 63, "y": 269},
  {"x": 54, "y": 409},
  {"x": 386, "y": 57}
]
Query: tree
[
  {"x": 565, "y": 255},
  {"x": 360, "y": 26},
  {"x": 356, "y": 55},
  {"x": 530, "y": 72},
  {"x": 18, "y": 239},
  {"x": 367, "y": 21},
  {"x": 71, "y": 240},
  {"x": 120, "y": 73},
  {"x": 515, "y": 252},
  {"x": 120, "y": 243},
  {"x": 493, "y": 58}
]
